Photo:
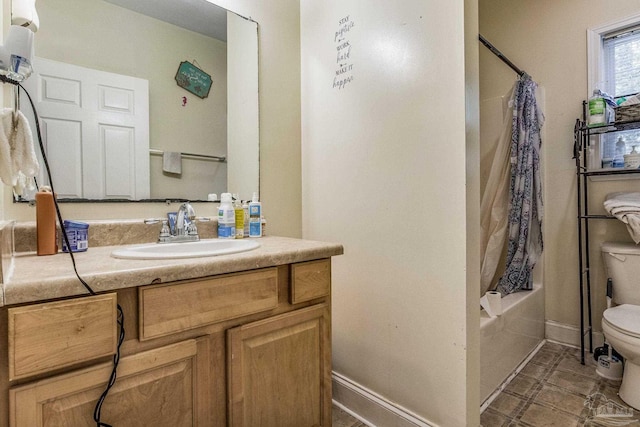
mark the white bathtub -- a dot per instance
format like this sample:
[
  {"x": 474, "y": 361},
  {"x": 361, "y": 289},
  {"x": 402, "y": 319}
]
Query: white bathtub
[{"x": 506, "y": 340}]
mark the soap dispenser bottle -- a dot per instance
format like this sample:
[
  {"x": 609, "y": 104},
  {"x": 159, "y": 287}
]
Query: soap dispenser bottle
[
  {"x": 255, "y": 217},
  {"x": 46, "y": 232}
]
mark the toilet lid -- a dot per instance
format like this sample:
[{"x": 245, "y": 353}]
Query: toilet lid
[
  {"x": 622, "y": 248},
  {"x": 625, "y": 317}
]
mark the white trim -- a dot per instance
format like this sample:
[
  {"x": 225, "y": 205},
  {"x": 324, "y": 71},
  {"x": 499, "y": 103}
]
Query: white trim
[
  {"x": 569, "y": 335},
  {"x": 353, "y": 414},
  {"x": 594, "y": 51},
  {"x": 594, "y": 60},
  {"x": 381, "y": 412}
]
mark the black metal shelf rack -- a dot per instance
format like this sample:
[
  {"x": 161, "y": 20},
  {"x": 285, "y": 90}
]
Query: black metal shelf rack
[{"x": 582, "y": 133}]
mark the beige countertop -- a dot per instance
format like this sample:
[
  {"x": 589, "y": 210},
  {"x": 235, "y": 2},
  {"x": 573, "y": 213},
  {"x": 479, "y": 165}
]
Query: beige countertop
[{"x": 34, "y": 278}]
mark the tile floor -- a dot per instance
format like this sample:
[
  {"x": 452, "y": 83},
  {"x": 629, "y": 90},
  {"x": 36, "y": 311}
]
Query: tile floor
[{"x": 551, "y": 390}]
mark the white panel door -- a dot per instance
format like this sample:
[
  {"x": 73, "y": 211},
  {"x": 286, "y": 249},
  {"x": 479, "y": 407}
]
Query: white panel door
[
  {"x": 64, "y": 147},
  {"x": 95, "y": 128}
]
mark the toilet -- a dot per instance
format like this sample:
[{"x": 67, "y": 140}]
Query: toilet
[{"x": 621, "y": 322}]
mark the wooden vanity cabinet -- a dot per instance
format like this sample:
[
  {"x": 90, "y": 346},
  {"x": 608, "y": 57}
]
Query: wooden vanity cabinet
[{"x": 227, "y": 350}]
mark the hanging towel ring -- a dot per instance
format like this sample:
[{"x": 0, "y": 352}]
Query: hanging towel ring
[{"x": 16, "y": 106}]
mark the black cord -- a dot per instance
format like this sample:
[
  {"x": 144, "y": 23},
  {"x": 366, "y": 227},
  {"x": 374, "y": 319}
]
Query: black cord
[
  {"x": 112, "y": 378},
  {"x": 120, "y": 320},
  {"x": 55, "y": 201}
]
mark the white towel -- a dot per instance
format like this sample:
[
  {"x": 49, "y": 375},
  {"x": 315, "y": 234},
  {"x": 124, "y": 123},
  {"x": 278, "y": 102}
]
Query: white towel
[
  {"x": 172, "y": 162},
  {"x": 18, "y": 161},
  {"x": 625, "y": 207}
]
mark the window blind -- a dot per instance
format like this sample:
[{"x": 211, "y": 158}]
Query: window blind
[{"x": 622, "y": 62}]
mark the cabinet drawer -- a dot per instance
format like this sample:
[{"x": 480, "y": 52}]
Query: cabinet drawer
[
  {"x": 171, "y": 308},
  {"x": 310, "y": 280},
  {"x": 53, "y": 335}
]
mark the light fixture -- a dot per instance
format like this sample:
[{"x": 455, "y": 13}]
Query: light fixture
[
  {"x": 23, "y": 13},
  {"x": 17, "y": 53}
]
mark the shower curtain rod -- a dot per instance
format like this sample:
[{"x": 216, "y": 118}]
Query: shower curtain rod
[{"x": 499, "y": 54}]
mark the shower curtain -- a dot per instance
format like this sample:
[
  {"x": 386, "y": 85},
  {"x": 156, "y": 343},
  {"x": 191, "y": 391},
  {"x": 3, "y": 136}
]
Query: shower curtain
[
  {"x": 494, "y": 206},
  {"x": 516, "y": 162}
]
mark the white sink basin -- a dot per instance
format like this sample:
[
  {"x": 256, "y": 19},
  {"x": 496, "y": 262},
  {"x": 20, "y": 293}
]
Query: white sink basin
[{"x": 202, "y": 248}]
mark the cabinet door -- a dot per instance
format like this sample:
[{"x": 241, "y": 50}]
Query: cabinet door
[
  {"x": 280, "y": 370},
  {"x": 160, "y": 387}
]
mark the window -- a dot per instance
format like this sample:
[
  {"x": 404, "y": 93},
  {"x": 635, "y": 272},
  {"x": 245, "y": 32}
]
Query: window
[
  {"x": 614, "y": 67},
  {"x": 622, "y": 62}
]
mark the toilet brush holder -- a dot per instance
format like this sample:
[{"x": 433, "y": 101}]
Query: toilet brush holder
[{"x": 609, "y": 368}]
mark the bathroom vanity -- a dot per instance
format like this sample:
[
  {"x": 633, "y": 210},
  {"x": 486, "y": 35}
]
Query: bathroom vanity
[{"x": 238, "y": 340}]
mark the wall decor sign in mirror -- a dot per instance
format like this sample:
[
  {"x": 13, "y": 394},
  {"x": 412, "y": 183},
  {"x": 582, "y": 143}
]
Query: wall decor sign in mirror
[
  {"x": 109, "y": 104},
  {"x": 193, "y": 79}
]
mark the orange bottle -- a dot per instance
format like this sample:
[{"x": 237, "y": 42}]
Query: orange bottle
[{"x": 46, "y": 222}]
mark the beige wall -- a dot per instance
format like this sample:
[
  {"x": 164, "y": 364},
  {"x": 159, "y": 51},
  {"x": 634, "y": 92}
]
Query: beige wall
[
  {"x": 385, "y": 172},
  {"x": 472, "y": 158},
  {"x": 279, "y": 86},
  {"x": 548, "y": 39},
  {"x": 243, "y": 125},
  {"x": 4, "y": 22}
]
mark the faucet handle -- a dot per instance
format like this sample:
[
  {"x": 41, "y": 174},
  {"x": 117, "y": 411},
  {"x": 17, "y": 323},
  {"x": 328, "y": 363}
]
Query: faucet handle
[
  {"x": 165, "y": 232},
  {"x": 153, "y": 220},
  {"x": 192, "y": 230}
]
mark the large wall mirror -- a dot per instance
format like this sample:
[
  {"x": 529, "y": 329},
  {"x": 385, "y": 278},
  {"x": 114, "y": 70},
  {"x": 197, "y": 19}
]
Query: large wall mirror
[{"x": 146, "y": 99}]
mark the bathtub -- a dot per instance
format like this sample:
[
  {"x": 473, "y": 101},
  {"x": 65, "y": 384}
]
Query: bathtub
[{"x": 506, "y": 340}]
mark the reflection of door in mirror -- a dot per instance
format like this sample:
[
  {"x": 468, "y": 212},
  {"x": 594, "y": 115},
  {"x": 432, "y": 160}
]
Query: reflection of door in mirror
[
  {"x": 95, "y": 127},
  {"x": 101, "y": 35}
]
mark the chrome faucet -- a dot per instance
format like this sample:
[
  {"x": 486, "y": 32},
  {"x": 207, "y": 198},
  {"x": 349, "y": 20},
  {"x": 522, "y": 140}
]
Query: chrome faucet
[
  {"x": 186, "y": 210},
  {"x": 185, "y": 228}
]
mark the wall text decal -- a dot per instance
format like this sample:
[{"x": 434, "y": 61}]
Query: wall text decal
[{"x": 344, "y": 70}]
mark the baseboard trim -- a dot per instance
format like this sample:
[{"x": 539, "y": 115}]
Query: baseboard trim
[
  {"x": 569, "y": 335},
  {"x": 357, "y": 399}
]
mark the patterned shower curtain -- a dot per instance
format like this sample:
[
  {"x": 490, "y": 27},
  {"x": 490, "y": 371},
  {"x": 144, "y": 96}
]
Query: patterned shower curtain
[{"x": 525, "y": 193}]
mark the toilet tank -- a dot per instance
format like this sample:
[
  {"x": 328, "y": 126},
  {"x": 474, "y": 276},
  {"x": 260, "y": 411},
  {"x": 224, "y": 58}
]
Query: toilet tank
[{"x": 622, "y": 261}]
